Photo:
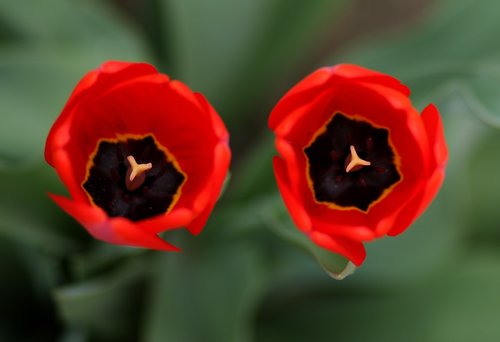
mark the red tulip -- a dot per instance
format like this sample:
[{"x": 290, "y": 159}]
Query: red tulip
[
  {"x": 357, "y": 160},
  {"x": 139, "y": 154}
]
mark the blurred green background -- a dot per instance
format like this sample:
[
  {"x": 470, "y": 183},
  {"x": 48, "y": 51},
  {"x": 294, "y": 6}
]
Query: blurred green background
[{"x": 240, "y": 280}]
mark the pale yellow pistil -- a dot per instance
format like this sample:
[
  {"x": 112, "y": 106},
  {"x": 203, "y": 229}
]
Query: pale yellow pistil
[
  {"x": 354, "y": 162},
  {"x": 136, "y": 173}
]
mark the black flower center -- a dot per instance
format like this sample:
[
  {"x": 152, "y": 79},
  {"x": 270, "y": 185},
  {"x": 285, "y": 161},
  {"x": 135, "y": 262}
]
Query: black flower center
[
  {"x": 108, "y": 178},
  {"x": 334, "y": 180}
]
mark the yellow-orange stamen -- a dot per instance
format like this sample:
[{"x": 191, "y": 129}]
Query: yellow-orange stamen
[
  {"x": 136, "y": 173},
  {"x": 354, "y": 162}
]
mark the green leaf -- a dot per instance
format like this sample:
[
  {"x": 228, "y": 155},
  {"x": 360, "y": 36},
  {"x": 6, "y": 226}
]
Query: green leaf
[
  {"x": 29, "y": 216},
  {"x": 100, "y": 260},
  {"x": 481, "y": 93},
  {"x": 235, "y": 52},
  {"x": 483, "y": 189},
  {"x": 270, "y": 212},
  {"x": 440, "y": 52},
  {"x": 206, "y": 294},
  {"x": 40, "y": 68},
  {"x": 458, "y": 304},
  {"x": 27, "y": 277},
  {"x": 331, "y": 314},
  {"x": 105, "y": 307},
  {"x": 279, "y": 221},
  {"x": 210, "y": 39},
  {"x": 253, "y": 175},
  {"x": 64, "y": 24},
  {"x": 465, "y": 300}
]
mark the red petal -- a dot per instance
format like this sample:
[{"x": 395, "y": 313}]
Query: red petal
[
  {"x": 53, "y": 140},
  {"x": 352, "y": 250},
  {"x": 114, "y": 72},
  {"x": 292, "y": 201},
  {"x": 360, "y": 74},
  {"x": 65, "y": 170},
  {"x": 113, "y": 230},
  {"x": 313, "y": 84},
  {"x": 379, "y": 105},
  {"x": 147, "y": 105},
  {"x": 383, "y": 215},
  {"x": 94, "y": 83},
  {"x": 217, "y": 123},
  {"x": 435, "y": 132},
  {"x": 295, "y": 167},
  {"x": 355, "y": 71},
  {"x": 130, "y": 234},
  {"x": 207, "y": 198},
  {"x": 303, "y": 121},
  {"x": 349, "y": 230},
  {"x": 410, "y": 139},
  {"x": 438, "y": 159},
  {"x": 300, "y": 94},
  {"x": 418, "y": 204},
  {"x": 176, "y": 218}
]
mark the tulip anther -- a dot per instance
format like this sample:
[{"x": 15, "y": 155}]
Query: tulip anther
[
  {"x": 354, "y": 162},
  {"x": 136, "y": 173}
]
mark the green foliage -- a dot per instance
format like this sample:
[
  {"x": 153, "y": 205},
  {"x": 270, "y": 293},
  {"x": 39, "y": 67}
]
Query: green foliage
[
  {"x": 242, "y": 279},
  {"x": 190, "y": 303}
]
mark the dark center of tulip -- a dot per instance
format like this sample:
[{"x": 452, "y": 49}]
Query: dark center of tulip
[
  {"x": 133, "y": 178},
  {"x": 351, "y": 163}
]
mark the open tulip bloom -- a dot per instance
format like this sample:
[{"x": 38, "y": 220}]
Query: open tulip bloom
[
  {"x": 139, "y": 154},
  {"x": 357, "y": 161}
]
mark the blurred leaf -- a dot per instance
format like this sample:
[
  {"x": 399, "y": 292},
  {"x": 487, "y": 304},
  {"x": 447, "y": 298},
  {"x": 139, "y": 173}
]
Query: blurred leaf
[
  {"x": 40, "y": 68},
  {"x": 236, "y": 51},
  {"x": 465, "y": 303},
  {"x": 73, "y": 335},
  {"x": 106, "y": 307},
  {"x": 270, "y": 212},
  {"x": 253, "y": 176},
  {"x": 206, "y": 295},
  {"x": 101, "y": 259},
  {"x": 27, "y": 277},
  {"x": 458, "y": 304},
  {"x": 482, "y": 93},
  {"x": 471, "y": 188},
  {"x": 332, "y": 315},
  {"x": 481, "y": 179},
  {"x": 289, "y": 35},
  {"x": 442, "y": 50},
  {"x": 390, "y": 262},
  {"x": 29, "y": 216},
  {"x": 424, "y": 250},
  {"x": 64, "y": 24},
  {"x": 277, "y": 218},
  {"x": 465, "y": 135},
  {"x": 210, "y": 39}
]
